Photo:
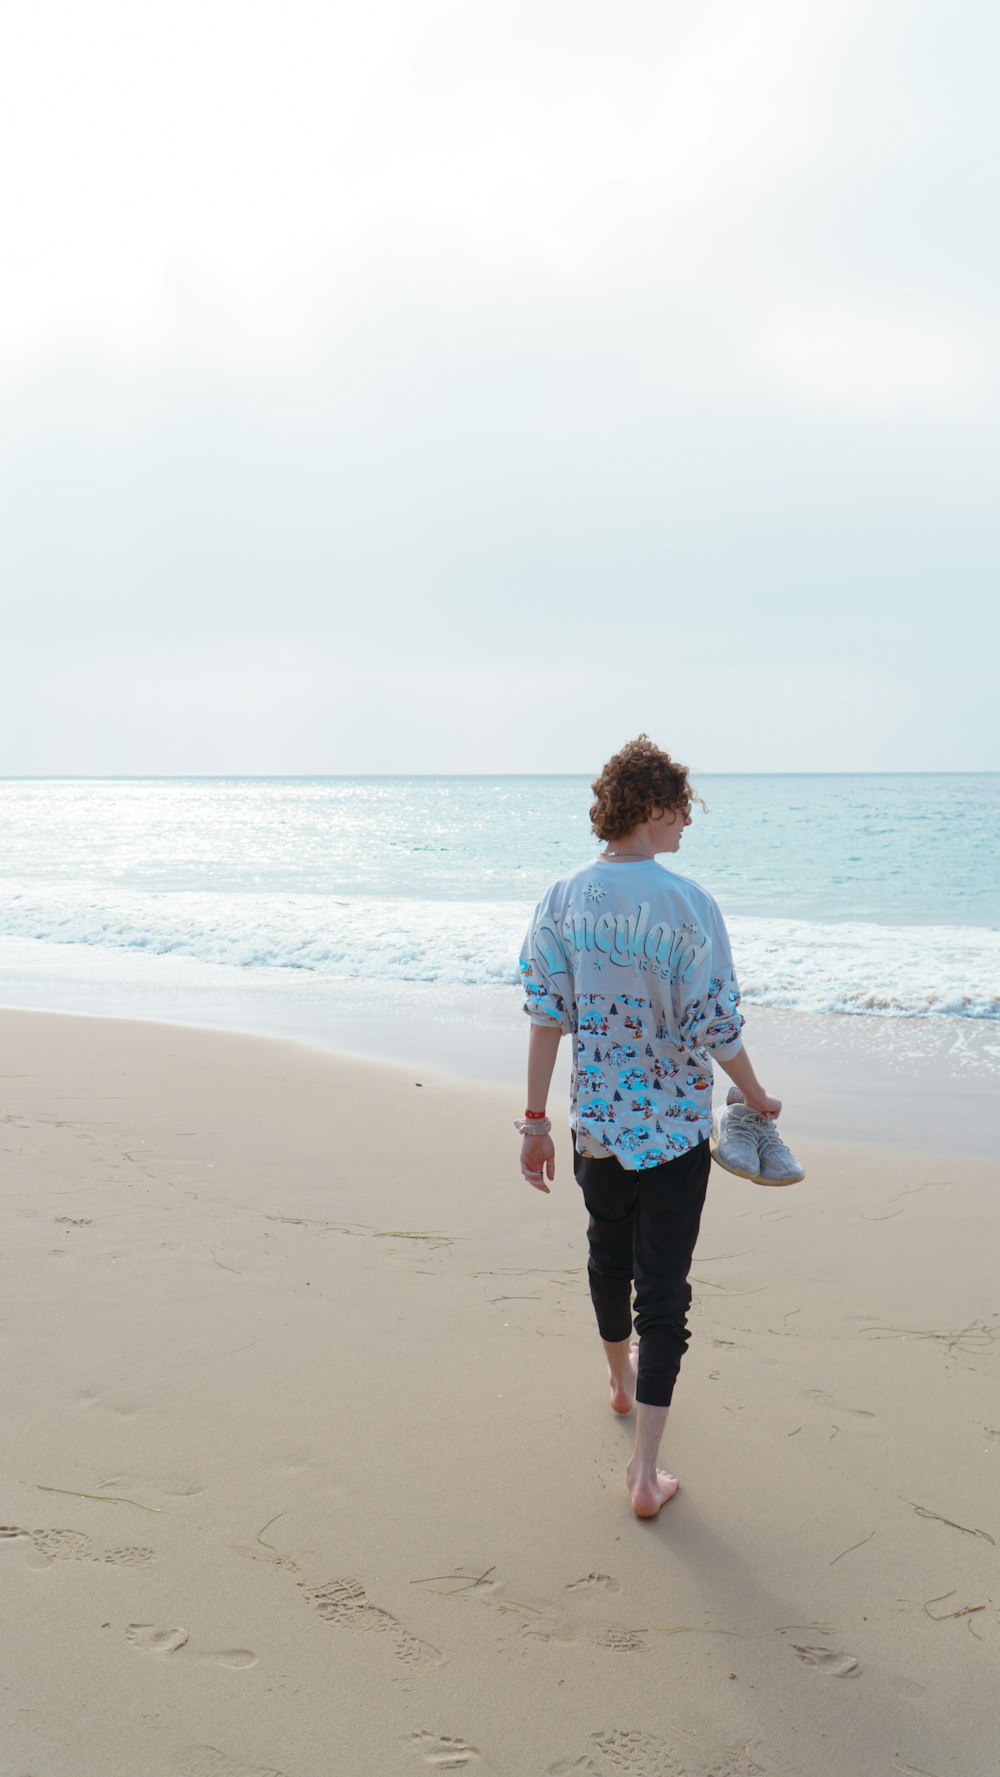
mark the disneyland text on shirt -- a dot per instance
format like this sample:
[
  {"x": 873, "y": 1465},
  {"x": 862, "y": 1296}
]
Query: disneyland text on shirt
[{"x": 673, "y": 952}]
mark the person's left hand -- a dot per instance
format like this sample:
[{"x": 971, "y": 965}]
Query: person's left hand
[{"x": 538, "y": 1160}]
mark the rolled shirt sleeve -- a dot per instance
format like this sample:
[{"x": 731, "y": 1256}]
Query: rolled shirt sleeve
[{"x": 545, "y": 976}]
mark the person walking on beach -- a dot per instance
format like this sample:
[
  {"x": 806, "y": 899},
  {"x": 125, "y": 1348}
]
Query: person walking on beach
[{"x": 634, "y": 962}]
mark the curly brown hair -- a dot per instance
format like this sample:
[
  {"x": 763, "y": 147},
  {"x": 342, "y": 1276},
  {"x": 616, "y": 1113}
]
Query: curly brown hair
[{"x": 637, "y": 779}]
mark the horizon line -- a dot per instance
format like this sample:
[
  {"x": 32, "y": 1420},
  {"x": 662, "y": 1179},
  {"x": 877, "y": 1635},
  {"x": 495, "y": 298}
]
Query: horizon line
[{"x": 346, "y": 776}]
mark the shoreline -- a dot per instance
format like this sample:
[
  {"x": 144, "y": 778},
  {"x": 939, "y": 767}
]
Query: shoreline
[
  {"x": 925, "y": 1083},
  {"x": 285, "y": 1337}
]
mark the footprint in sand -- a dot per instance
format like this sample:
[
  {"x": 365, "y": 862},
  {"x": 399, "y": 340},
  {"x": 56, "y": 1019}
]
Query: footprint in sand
[
  {"x": 346, "y": 1603},
  {"x": 208, "y": 1761},
  {"x": 827, "y": 1659},
  {"x": 550, "y": 1628},
  {"x": 826, "y": 1400},
  {"x": 545, "y": 1621},
  {"x": 170, "y": 1641},
  {"x": 732, "y": 1764},
  {"x": 156, "y": 1641},
  {"x": 566, "y": 1634},
  {"x": 57, "y": 1545},
  {"x": 73, "y": 1545},
  {"x": 639, "y": 1755},
  {"x": 443, "y": 1752},
  {"x": 594, "y": 1582},
  {"x": 643, "y": 1755}
]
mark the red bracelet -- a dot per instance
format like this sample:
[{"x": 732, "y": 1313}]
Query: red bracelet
[{"x": 535, "y": 1116}]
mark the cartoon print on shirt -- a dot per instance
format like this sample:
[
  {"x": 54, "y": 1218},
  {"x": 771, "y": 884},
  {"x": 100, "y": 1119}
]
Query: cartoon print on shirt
[
  {"x": 592, "y": 1078},
  {"x": 643, "y": 1107},
  {"x": 616, "y": 1054},
  {"x": 595, "y": 1024},
  {"x": 598, "y": 1111},
  {"x": 630, "y": 1139},
  {"x": 631, "y": 1078}
]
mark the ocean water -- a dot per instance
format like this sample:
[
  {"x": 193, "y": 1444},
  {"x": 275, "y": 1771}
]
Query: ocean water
[{"x": 861, "y": 895}]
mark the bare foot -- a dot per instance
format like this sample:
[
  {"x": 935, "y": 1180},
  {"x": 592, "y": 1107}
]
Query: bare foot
[
  {"x": 622, "y": 1380},
  {"x": 649, "y": 1495}
]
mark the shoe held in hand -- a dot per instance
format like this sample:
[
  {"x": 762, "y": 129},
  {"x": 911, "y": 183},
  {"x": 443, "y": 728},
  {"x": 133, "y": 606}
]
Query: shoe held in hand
[{"x": 749, "y": 1145}]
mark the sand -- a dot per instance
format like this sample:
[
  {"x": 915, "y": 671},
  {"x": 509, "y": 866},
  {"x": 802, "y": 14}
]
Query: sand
[{"x": 309, "y": 1468}]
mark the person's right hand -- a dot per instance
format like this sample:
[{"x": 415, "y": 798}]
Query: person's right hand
[
  {"x": 765, "y": 1106},
  {"x": 538, "y": 1157}
]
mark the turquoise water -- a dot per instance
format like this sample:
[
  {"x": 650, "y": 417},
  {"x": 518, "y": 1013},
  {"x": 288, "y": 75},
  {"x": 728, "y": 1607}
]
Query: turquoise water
[{"x": 842, "y": 893}]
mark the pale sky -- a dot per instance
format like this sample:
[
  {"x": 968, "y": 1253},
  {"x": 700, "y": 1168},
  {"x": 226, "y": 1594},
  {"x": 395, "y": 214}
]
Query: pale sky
[{"x": 439, "y": 387}]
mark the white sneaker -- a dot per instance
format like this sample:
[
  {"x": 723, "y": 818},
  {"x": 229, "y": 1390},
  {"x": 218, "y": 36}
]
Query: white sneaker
[
  {"x": 742, "y": 1129},
  {"x": 778, "y": 1165},
  {"x": 736, "y": 1146}
]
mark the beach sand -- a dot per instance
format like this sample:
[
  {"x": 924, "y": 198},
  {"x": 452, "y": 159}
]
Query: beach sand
[{"x": 309, "y": 1469}]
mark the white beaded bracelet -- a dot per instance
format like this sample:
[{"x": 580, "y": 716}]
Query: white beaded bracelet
[{"x": 532, "y": 1125}]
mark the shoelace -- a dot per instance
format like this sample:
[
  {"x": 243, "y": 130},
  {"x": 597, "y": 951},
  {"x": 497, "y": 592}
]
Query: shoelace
[
  {"x": 764, "y": 1130},
  {"x": 769, "y": 1141},
  {"x": 741, "y": 1120}
]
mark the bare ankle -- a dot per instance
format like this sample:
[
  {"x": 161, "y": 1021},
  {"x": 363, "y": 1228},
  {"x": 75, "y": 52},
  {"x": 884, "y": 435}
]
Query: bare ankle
[
  {"x": 650, "y": 1491},
  {"x": 622, "y": 1361}
]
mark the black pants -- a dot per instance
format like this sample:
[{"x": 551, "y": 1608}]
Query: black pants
[{"x": 644, "y": 1225}]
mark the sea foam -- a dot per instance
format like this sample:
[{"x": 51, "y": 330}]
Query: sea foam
[{"x": 801, "y": 965}]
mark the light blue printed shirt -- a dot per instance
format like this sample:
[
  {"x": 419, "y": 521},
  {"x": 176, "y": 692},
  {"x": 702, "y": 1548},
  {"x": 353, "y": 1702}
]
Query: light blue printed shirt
[{"x": 634, "y": 961}]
